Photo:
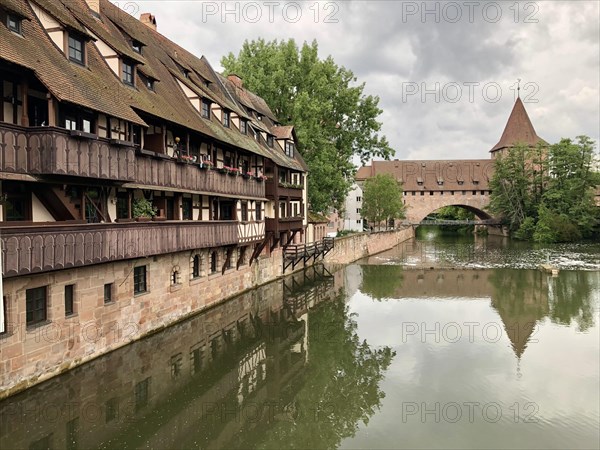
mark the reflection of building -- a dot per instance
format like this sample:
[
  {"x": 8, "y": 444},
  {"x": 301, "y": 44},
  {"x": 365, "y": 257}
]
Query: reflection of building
[
  {"x": 197, "y": 383},
  {"x": 519, "y": 296}
]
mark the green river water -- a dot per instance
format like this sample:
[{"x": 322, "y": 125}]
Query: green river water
[{"x": 446, "y": 341}]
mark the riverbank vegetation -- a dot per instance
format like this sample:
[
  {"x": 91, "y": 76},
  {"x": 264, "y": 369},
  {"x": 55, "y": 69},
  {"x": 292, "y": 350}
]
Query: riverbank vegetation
[{"x": 546, "y": 194}]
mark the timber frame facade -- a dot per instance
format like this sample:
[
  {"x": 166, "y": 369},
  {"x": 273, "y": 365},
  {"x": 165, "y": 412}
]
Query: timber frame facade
[
  {"x": 208, "y": 154},
  {"x": 117, "y": 144}
]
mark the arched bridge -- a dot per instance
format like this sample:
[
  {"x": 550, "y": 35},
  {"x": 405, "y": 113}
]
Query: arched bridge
[{"x": 430, "y": 185}]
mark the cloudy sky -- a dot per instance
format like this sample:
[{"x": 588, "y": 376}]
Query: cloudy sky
[{"x": 446, "y": 72}]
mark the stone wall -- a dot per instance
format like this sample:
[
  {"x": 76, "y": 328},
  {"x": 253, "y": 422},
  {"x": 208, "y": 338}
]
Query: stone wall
[
  {"x": 30, "y": 354},
  {"x": 356, "y": 246}
]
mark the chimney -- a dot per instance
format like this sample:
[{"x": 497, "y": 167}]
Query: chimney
[
  {"x": 148, "y": 20},
  {"x": 235, "y": 79},
  {"x": 94, "y": 5}
]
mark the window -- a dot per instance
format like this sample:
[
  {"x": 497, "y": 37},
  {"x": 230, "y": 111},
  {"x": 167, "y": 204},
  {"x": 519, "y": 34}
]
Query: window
[
  {"x": 226, "y": 118},
  {"x": 111, "y": 408},
  {"x": 358, "y": 210},
  {"x": 108, "y": 293},
  {"x": 76, "y": 49},
  {"x": 186, "y": 207},
  {"x": 139, "y": 280},
  {"x": 243, "y": 127},
  {"x": 36, "y": 305},
  {"x": 175, "y": 277},
  {"x": 205, "y": 109},
  {"x": 270, "y": 140},
  {"x": 244, "y": 212},
  {"x": 289, "y": 148},
  {"x": 136, "y": 46},
  {"x": 196, "y": 267},
  {"x": 213, "y": 262},
  {"x": 258, "y": 211},
  {"x": 17, "y": 203},
  {"x": 359, "y": 199},
  {"x": 142, "y": 393},
  {"x": 148, "y": 82},
  {"x": 72, "y": 429},
  {"x": 13, "y": 23},
  {"x": 127, "y": 72},
  {"x": 176, "y": 364},
  {"x": 196, "y": 357},
  {"x": 42, "y": 444},
  {"x": 69, "y": 300}
]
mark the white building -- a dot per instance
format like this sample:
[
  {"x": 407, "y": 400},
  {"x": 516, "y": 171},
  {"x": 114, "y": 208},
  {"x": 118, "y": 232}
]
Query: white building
[{"x": 353, "y": 210}]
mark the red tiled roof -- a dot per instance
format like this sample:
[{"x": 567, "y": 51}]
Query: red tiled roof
[
  {"x": 433, "y": 175},
  {"x": 519, "y": 129}
]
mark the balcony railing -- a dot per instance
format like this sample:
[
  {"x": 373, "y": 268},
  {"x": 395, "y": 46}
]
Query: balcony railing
[
  {"x": 273, "y": 189},
  {"x": 50, "y": 150},
  {"x": 56, "y": 151},
  {"x": 167, "y": 172},
  {"x": 40, "y": 248}
]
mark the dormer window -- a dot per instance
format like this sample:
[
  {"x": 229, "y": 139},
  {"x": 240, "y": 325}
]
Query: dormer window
[
  {"x": 206, "y": 109},
  {"x": 243, "y": 127},
  {"x": 13, "y": 23},
  {"x": 289, "y": 148},
  {"x": 136, "y": 46},
  {"x": 270, "y": 140},
  {"x": 148, "y": 82},
  {"x": 76, "y": 49},
  {"x": 127, "y": 72},
  {"x": 226, "y": 119},
  {"x": 259, "y": 117}
]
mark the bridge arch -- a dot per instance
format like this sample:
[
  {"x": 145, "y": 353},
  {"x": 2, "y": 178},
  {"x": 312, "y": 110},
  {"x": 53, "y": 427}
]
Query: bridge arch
[{"x": 419, "y": 207}]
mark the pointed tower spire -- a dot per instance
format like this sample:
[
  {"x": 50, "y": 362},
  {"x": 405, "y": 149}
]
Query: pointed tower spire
[{"x": 518, "y": 129}]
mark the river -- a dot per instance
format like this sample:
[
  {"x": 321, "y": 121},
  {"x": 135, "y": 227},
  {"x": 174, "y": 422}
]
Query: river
[{"x": 446, "y": 341}]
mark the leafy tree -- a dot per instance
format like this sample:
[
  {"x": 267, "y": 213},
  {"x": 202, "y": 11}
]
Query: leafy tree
[
  {"x": 547, "y": 194},
  {"x": 341, "y": 385},
  {"x": 382, "y": 199},
  {"x": 512, "y": 187},
  {"x": 335, "y": 122},
  {"x": 569, "y": 196}
]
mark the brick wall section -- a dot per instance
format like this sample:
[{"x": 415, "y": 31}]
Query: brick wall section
[{"x": 356, "y": 246}]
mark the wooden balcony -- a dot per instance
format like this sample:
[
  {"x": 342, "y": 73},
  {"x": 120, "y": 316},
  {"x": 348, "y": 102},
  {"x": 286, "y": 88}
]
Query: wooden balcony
[
  {"x": 274, "y": 190},
  {"x": 55, "y": 151},
  {"x": 167, "y": 172},
  {"x": 40, "y": 248},
  {"x": 285, "y": 224}
]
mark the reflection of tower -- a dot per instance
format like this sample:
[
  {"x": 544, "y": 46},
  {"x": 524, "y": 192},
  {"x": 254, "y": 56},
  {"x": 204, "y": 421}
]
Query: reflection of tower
[{"x": 521, "y": 299}]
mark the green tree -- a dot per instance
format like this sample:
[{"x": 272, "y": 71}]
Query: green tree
[
  {"x": 512, "y": 187},
  {"x": 569, "y": 195},
  {"x": 547, "y": 194},
  {"x": 335, "y": 122},
  {"x": 382, "y": 199}
]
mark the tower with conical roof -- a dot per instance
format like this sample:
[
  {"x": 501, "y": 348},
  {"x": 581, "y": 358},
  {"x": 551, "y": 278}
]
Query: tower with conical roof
[{"x": 518, "y": 130}]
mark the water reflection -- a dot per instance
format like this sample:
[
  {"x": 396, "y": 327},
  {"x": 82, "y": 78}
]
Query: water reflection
[
  {"x": 265, "y": 369},
  {"x": 367, "y": 356}
]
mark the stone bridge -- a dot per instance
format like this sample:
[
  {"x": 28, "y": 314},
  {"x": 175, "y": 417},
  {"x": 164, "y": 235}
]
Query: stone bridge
[{"x": 430, "y": 185}]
